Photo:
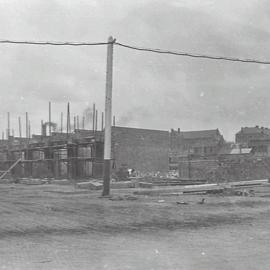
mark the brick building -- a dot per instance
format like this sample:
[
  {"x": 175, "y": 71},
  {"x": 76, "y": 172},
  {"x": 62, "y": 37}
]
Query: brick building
[
  {"x": 194, "y": 144},
  {"x": 246, "y": 134},
  {"x": 145, "y": 150},
  {"x": 199, "y": 143},
  {"x": 257, "y": 138}
]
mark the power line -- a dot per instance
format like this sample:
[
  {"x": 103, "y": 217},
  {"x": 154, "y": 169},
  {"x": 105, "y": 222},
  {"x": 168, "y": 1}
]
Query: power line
[
  {"x": 159, "y": 51},
  {"x": 53, "y": 43},
  {"x": 193, "y": 55}
]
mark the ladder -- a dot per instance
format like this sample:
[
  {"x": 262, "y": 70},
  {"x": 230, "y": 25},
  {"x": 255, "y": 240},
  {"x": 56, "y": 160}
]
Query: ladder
[{"x": 4, "y": 173}]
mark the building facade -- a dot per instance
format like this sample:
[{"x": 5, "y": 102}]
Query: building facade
[{"x": 257, "y": 138}]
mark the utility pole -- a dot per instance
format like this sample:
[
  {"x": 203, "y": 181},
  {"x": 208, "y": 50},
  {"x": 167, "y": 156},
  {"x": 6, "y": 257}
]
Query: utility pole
[{"x": 108, "y": 119}]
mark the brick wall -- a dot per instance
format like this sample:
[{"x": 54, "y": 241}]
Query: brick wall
[
  {"x": 225, "y": 169},
  {"x": 142, "y": 149}
]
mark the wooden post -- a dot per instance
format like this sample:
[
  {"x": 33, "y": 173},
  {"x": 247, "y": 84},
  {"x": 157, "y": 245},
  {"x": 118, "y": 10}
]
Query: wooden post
[
  {"x": 102, "y": 121},
  {"x": 61, "y": 122},
  {"x": 96, "y": 120},
  {"x": 94, "y": 117},
  {"x": 83, "y": 120},
  {"x": 108, "y": 119},
  {"x": 29, "y": 132},
  {"x": 8, "y": 124},
  {"x": 26, "y": 124},
  {"x": 41, "y": 125},
  {"x": 68, "y": 120},
  {"x": 78, "y": 122},
  {"x": 20, "y": 127},
  {"x": 50, "y": 120},
  {"x": 74, "y": 122}
]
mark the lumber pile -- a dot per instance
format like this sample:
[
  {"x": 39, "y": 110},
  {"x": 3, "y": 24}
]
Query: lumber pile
[
  {"x": 181, "y": 189},
  {"x": 166, "y": 181},
  {"x": 248, "y": 183},
  {"x": 92, "y": 185},
  {"x": 205, "y": 188},
  {"x": 32, "y": 181}
]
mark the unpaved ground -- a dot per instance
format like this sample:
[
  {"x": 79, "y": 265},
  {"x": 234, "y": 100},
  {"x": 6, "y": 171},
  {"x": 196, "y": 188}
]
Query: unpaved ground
[{"x": 59, "y": 227}]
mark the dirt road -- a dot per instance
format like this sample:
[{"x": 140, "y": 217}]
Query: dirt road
[{"x": 60, "y": 227}]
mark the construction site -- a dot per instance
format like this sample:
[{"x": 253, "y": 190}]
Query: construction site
[
  {"x": 173, "y": 172},
  {"x": 179, "y": 184}
]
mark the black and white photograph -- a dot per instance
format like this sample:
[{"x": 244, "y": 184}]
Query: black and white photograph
[{"x": 134, "y": 135}]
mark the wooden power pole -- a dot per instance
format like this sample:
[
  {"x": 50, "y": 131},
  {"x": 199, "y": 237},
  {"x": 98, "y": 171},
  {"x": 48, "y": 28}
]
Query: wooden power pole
[{"x": 108, "y": 119}]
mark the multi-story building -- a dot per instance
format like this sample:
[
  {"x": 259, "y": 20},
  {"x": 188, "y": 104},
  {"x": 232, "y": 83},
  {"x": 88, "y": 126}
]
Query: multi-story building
[
  {"x": 196, "y": 144},
  {"x": 257, "y": 138},
  {"x": 199, "y": 143}
]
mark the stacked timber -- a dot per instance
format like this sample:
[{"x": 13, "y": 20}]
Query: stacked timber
[
  {"x": 205, "y": 188},
  {"x": 165, "y": 181}
]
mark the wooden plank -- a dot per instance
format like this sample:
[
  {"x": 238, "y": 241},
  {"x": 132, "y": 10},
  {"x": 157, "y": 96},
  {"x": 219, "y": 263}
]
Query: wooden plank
[
  {"x": 10, "y": 168},
  {"x": 181, "y": 189},
  {"x": 249, "y": 182}
]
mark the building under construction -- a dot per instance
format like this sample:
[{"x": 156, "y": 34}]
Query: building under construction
[{"x": 79, "y": 154}]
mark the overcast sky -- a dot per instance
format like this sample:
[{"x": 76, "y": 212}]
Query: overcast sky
[{"x": 149, "y": 90}]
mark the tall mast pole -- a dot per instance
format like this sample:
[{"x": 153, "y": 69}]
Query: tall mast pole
[{"x": 108, "y": 119}]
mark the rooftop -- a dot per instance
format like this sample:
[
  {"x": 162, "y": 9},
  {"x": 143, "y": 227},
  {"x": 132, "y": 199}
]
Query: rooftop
[
  {"x": 255, "y": 130},
  {"x": 200, "y": 134}
]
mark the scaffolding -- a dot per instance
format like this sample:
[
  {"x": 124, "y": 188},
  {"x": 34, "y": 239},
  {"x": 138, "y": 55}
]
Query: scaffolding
[{"x": 72, "y": 156}]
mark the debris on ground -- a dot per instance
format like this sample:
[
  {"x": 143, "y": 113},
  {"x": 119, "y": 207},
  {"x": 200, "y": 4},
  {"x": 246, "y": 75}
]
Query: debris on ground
[
  {"x": 145, "y": 185},
  {"x": 202, "y": 201},
  {"x": 182, "y": 203},
  {"x": 123, "y": 198},
  {"x": 32, "y": 181},
  {"x": 92, "y": 185}
]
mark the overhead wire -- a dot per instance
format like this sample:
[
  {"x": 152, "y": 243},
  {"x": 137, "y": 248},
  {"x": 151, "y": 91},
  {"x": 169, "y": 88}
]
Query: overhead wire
[
  {"x": 193, "y": 55},
  {"x": 53, "y": 43},
  {"x": 137, "y": 48}
]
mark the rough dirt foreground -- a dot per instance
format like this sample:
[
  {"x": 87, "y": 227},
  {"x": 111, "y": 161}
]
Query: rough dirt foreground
[{"x": 60, "y": 227}]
